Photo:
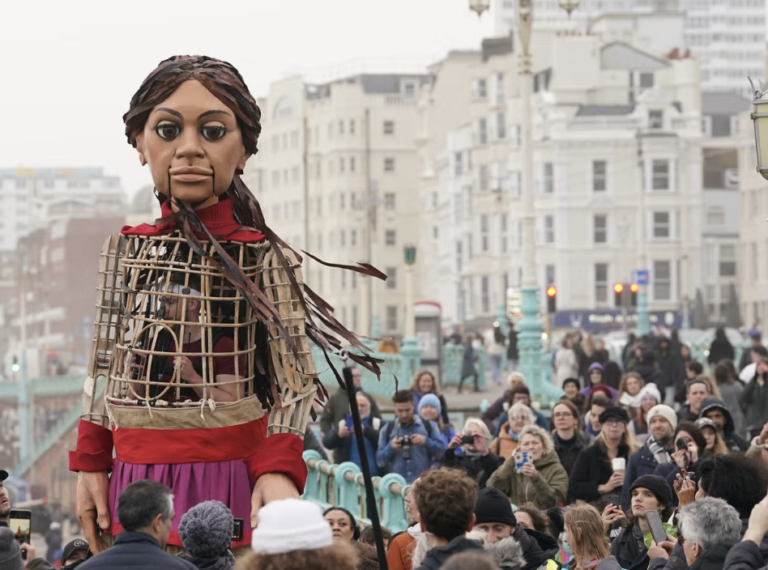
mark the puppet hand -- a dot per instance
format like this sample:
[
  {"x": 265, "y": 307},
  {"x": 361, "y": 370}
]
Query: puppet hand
[
  {"x": 92, "y": 492},
  {"x": 270, "y": 487}
]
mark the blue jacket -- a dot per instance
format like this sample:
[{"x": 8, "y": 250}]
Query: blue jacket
[
  {"x": 135, "y": 551},
  {"x": 641, "y": 462},
  {"x": 390, "y": 460}
]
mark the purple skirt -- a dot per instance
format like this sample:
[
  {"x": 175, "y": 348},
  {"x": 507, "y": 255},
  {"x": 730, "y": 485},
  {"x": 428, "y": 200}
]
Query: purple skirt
[{"x": 191, "y": 484}]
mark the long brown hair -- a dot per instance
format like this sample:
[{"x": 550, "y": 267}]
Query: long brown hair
[
  {"x": 225, "y": 82},
  {"x": 627, "y": 376},
  {"x": 418, "y": 375},
  {"x": 586, "y": 534}
]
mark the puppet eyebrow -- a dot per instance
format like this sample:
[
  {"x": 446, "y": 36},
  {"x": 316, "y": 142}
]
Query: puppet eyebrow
[
  {"x": 171, "y": 111},
  {"x": 177, "y": 114},
  {"x": 213, "y": 112}
]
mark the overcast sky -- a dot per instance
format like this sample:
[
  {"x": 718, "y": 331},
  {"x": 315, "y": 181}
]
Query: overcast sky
[{"x": 71, "y": 67}]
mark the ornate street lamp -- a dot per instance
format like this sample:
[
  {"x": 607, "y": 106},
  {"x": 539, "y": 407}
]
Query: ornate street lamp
[
  {"x": 479, "y": 6},
  {"x": 569, "y": 5},
  {"x": 760, "y": 118}
]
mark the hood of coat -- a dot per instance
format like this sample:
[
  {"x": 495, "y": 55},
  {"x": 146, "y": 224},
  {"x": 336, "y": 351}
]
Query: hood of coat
[
  {"x": 547, "y": 460},
  {"x": 507, "y": 553},
  {"x": 711, "y": 403}
]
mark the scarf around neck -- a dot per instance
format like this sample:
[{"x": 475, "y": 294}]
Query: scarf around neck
[{"x": 660, "y": 453}]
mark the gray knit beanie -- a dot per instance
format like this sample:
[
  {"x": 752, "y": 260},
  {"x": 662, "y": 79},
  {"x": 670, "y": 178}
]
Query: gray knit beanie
[
  {"x": 10, "y": 552},
  {"x": 206, "y": 530}
]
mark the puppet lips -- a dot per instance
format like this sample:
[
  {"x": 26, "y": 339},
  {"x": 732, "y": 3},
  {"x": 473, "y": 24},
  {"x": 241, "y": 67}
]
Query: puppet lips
[{"x": 190, "y": 173}]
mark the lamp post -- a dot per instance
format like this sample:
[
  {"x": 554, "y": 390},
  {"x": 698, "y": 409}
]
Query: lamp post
[
  {"x": 760, "y": 118},
  {"x": 410, "y": 352},
  {"x": 530, "y": 328}
]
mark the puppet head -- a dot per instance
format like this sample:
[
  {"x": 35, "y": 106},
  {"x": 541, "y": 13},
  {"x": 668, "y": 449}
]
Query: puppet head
[{"x": 194, "y": 122}]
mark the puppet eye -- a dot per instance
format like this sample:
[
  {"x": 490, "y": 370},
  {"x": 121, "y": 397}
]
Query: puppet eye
[
  {"x": 214, "y": 132},
  {"x": 167, "y": 131}
]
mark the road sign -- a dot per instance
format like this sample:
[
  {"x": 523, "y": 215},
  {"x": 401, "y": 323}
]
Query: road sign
[{"x": 643, "y": 277}]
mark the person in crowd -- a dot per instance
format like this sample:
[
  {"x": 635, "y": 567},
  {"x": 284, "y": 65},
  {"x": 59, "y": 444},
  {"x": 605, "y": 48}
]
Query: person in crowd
[
  {"x": 430, "y": 410},
  {"x": 401, "y": 547},
  {"x": 755, "y": 341},
  {"x": 468, "y": 369},
  {"x": 513, "y": 354},
  {"x": 693, "y": 369},
  {"x": 206, "y": 532},
  {"x": 345, "y": 529},
  {"x": 424, "y": 383},
  {"x": 635, "y": 356},
  {"x": 311, "y": 442},
  {"x": 695, "y": 392},
  {"x": 731, "y": 390},
  {"x": 499, "y": 407},
  {"x": 5, "y": 500},
  {"x": 474, "y": 458},
  {"x": 75, "y": 553},
  {"x": 541, "y": 480},
  {"x": 292, "y": 535},
  {"x": 638, "y": 427},
  {"x": 613, "y": 374},
  {"x": 592, "y": 418},
  {"x": 15, "y": 556},
  {"x": 648, "y": 369},
  {"x": 754, "y": 400},
  {"x": 593, "y": 478},
  {"x": 710, "y": 529},
  {"x": 145, "y": 511},
  {"x": 367, "y": 536},
  {"x": 529, "y": 516},
  {"x": 338, "y": 405},
  {"x": 687, "y": 459},
  {"x": 601, "y": 390},
  {"x": 571, "y": 387},
  {"x": 595, "y": 379},
  {"x": 712, "y": 437},
  {"x": 738, "y": 480},
  {"x": 601, "y": 353},
  {"x": 446, "y": 501},
  {"x": 748, "y": 554},
  {"x": 630, "y": 390},
  {"x": 495, "y": 347},
  {"x": 758, "y": 447},
  {"x": 589, "y": 544},
  {"x": 658, "y": 450},
  {"x": 626, "y": 352},
  {"x": 407, "y": 445},
  {"x": 716, "y": 410},
  {"x": 342, "y": 439},
  {"x": 631, "y": 535},
  {"x": 521, "y": 394},
  {"x": 567, "y": 436},
  {"x": 508, "y": 440},
  {"x": 566, "y": 364},
  {"x": 757, "y": 353},
  {"x": 494, "y": 516},
  {"x": 589, "y": 356},
  {"x": 721, "y": 348},
  {"x": 53, "y": 540},
  {"x": 685, "y": 354},
  {"x": 672, "y": 369}
]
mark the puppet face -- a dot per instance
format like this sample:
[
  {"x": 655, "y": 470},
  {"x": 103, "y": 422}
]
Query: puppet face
[{"x": 192, "y": 144}]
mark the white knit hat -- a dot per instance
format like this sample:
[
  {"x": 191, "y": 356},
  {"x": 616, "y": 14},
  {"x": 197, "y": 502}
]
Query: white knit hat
[
  {"x": 291, "y": 524},
  {"x": 665, "y": 412}
]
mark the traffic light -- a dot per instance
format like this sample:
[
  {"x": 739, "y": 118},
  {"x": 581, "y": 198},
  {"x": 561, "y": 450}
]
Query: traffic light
[
  {"x": 618, "y": 294},
  {"x": 551, "y": 299},
  {"x": 633, "y": 289},
  {"x": 15, "y": 366}
]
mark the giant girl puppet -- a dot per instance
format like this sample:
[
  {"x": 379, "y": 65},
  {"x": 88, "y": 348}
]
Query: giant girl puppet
[{"x": 201, "y": 375}]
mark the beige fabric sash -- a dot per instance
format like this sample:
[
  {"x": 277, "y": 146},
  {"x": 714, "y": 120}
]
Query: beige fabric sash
[{"x": 198, "y": 417}]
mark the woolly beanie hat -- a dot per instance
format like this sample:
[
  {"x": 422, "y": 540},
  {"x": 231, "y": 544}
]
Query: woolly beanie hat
[
  {"x": 291, "y": 524},
  {"x": 492, "y": 506},
  {"x": 10, "y": 552},
  {"x": 206, "y": 530},
  {"x": 656, "y": 485},
  {"x": 430, "y": 400},
  {"x": 665, "y": 412}
]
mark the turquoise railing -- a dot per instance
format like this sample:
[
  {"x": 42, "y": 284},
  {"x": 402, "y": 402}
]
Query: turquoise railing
[{"x": 342, "y": 485}]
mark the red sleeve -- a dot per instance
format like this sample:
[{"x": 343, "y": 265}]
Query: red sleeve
[
  {"x": 94, "y": 448},
  {"x": 280, "y": 453},
  {"x": 226, "y": 364}
]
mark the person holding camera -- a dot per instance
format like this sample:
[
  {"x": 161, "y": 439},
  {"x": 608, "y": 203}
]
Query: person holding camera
[
  {"x": 468, "y": 450},
  {"x": 408, "y": 445},
  {"x": 342, "y": 439}
]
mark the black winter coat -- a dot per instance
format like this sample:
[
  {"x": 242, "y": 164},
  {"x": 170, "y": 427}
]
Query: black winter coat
[
  {"x": 135, "y": 551},
  {"x": 479, "y": 468},
  {"x": 437, "y": 556},
  {"x": 568, "y": 450},
  {"x": 592, "y": 469},
  {"x": 713, "y": 557},
  {"x": 745, "y": 555},
  {"x": 629, "y": 549}
]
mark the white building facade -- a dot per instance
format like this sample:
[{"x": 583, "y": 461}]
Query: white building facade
[
  {"x": 338, "y": 174},
  {"x": 726, "y": 36},
  {"x": 618, "y": 178}
]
